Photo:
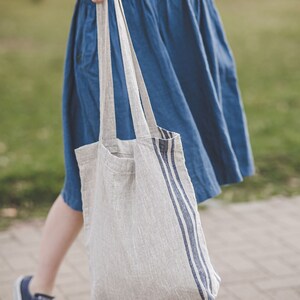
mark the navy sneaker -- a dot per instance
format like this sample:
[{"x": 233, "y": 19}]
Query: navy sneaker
[{"x": 21, "y": 290}]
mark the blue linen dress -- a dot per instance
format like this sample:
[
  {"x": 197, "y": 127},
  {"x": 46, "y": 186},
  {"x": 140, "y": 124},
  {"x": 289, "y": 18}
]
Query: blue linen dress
[{"x": 190, "y": 74}]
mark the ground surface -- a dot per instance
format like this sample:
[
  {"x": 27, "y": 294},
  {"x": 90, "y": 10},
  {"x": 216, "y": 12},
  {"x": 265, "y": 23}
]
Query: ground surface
[{"x": 254, "y": 246}]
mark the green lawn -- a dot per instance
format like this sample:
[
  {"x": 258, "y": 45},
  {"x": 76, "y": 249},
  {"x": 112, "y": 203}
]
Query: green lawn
[
  {"x": 265, "y": 39},
  {"x": 33, "y": 38},
  {"x": 264, "y": 36}
]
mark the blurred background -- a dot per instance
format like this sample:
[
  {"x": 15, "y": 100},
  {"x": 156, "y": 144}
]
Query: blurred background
[{"x": 265, "y": 38}]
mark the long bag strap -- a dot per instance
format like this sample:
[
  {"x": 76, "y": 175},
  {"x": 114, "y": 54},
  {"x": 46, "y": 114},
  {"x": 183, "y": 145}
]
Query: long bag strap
[
  {"x": 133, "y": 75},
  {"x": 128, "y": 50}
]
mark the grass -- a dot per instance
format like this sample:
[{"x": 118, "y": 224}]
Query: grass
[
  {"x": 265, "y": 39},
  {"x": 33, "y": 37},
  {"x": 264, "y": 36}
]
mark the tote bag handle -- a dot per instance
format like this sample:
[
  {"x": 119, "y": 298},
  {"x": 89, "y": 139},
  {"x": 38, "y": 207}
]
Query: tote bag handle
[
  {"x": 133, "y": 75},
  {"x": 127, "y": 45}
]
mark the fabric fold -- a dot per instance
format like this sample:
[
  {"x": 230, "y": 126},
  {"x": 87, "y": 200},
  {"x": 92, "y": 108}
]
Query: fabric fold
[{"x": 191, "y": 78}]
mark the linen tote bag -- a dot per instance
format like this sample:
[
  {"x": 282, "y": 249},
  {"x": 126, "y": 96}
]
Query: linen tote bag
[{"x": 142, "y": 229}]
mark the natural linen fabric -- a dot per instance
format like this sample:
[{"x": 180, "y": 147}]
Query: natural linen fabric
[{"x": 142, "y": 229}]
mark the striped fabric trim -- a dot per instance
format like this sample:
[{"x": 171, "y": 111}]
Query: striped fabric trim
[
  {"x": 191, "y": 239},
  {"x": 188, "y": 202}
]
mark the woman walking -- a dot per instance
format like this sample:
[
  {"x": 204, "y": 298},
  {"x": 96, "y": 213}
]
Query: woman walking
[{"x": 190, "y": 74}]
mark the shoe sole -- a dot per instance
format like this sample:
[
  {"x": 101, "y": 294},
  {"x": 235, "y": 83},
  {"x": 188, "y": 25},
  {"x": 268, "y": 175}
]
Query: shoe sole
[{"x": 17, "y": 288}]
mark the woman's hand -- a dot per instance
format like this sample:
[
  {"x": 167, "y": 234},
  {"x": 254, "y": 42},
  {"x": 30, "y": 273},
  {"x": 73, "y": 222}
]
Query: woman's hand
[{"x": 97, "y": 1}]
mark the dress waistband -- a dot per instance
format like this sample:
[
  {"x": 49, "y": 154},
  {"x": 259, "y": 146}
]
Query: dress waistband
[{"x": 87, "y": 2}]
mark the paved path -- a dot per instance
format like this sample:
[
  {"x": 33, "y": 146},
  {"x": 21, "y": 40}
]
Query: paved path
[{"x": 255, "y": 247}]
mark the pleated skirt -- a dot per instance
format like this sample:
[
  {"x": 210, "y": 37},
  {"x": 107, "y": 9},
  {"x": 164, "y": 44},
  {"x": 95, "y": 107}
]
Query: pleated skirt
[{"x": 190, "y": 74}]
